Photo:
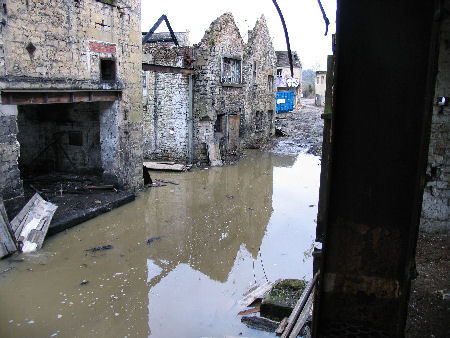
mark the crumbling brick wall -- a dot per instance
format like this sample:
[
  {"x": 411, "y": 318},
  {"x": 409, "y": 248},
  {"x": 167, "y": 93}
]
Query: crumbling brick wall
[
  {"x": 166, "y": 105},
  {"x": 436, "y": 197},
  {"x": 211, "y": 96},
  {"x": 257, "y": 123},
  {"x": 58, "y": 45}
]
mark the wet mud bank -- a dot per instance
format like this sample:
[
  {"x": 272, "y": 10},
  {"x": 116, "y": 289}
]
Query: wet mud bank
[{"x": 300, "y": 130}]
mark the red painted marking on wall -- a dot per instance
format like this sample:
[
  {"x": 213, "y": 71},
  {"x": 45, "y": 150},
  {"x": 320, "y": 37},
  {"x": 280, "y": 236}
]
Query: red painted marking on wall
[{"x": 99, "y": 47}]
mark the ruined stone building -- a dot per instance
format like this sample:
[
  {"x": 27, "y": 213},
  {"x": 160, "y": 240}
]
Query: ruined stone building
[
  {"x": 205, "y": 102},
  {"x": 320, "y": 85},
  {"x": 260, "y": 92},
  {"x": 70, "y": 79},
  {"x": 287, "y": 82}
]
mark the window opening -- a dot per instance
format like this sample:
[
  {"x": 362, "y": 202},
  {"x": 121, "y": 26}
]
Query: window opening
[{"x": 231, "y": 71}]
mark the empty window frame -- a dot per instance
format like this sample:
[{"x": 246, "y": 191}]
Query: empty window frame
[
  {"x": 270, "y": 83},
  {"x": 317, "y": 78},
  {"x": 323, "y": 77},
  {"x": 108, "y": 70},
  {"x": 279, "y": 72},
  {"x": 231, "y": 71},
  {"x": 254, "y": 72}
]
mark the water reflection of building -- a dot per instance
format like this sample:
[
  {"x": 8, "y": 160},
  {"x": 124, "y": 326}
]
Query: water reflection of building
[{"x": 207, "y": 218}]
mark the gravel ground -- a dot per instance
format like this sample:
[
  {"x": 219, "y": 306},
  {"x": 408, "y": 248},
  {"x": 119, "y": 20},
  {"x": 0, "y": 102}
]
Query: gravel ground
[{"x": 302, "y": 129}]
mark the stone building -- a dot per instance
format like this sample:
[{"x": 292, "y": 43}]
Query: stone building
[
  {"x": 203, "y": 103},
  {"x": 257, "y": 124},
  {"x": 218, "y": 90},
  {"x": 320, "y": 85},
  {"x": 285, "y": 81},
  {"x": 70, "y": 79}
]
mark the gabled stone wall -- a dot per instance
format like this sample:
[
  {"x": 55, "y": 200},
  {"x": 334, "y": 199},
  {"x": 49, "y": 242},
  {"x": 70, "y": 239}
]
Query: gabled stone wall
[
  {"x": 211, "y": 96},
  {"x": 257, "y": 123}
]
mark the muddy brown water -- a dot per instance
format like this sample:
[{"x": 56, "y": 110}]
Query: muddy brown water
[{"x": 213, "y": 237}]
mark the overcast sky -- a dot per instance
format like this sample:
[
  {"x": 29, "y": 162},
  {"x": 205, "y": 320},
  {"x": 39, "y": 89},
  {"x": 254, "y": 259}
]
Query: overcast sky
[{"x": 303, "y": 18}]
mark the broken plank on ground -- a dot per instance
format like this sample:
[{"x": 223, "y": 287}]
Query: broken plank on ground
[
  {"x": 30, "y": 226},
  {"x": 166, "y": 166},
  {"x": 260, "y": 323},
  {"x": 7, "y": 244},
  {"x": 249, "y": 311},
  {"x": 259, "y": 292}
]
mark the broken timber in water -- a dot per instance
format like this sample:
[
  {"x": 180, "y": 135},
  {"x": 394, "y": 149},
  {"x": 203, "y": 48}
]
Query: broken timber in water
[
  {"x": 170, "y": 166},
  {"x": 31, "y": 224},
  {"x": 7, "y": 243},
  {"x": 259, "y": 292}
]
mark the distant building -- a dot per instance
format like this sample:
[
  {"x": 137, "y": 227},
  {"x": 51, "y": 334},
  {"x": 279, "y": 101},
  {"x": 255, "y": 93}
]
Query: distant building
[
  {"x": 285, "y": 82},
  {"x": 320, "y": 86}
]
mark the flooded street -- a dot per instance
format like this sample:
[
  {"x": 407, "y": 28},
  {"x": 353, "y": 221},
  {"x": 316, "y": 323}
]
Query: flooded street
[{"x": 182, "y": 255}]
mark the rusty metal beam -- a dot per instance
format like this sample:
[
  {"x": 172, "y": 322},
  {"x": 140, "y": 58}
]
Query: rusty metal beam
[
  {"x": 167, "y": 69},
  {"x": 24, "y": 97}
]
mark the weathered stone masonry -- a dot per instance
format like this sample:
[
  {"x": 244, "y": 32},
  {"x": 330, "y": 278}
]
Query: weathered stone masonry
[
  {"x": 67, "y": 49},
  {"x": 166, "y": 105},
  {"x": 436, "y": 197},
  {"x": 260, "y": 94}
]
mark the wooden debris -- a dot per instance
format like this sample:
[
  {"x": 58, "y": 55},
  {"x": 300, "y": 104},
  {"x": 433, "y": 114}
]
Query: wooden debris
[
  {"x": 259, "y": 292},
  {"x": 249, "y": 311},
  {"x": 301, "y": 321},
  {"x": 168, "y": 182},
  {"x": 100, "y": 248},
  {"x": 166, "y": 166},
  {"x": 260, "y": 323},
  {"x": 150, "y": 240},
  {"x": 99, "y": 187},
  {"x": 7, "y": 244},
  {"x": 30, "y": 226},
  {"x": 299, "y": 306},
  {"x": 282, "y": 326}
]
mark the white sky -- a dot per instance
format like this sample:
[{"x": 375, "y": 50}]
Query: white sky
[{"x": 303, "y": 18}]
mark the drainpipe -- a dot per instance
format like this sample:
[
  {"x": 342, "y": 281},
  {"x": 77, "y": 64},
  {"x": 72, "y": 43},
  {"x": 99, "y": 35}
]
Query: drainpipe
[{"x": 191, "y": 120}]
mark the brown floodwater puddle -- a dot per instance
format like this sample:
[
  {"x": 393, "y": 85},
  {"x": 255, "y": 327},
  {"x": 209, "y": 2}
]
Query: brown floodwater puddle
[{"x": 182, "y": 256}]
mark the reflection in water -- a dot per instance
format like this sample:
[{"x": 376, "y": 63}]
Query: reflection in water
[{"x": 216, "y": 234}]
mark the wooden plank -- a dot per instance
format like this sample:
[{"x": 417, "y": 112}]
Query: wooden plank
[
  {"x": 260, "y": 323},
  {"x": 164, "y": 166},
  {"x": 99, "y": 187},
  {"x": 249, "y": 311},
  {"x": 282, "y": 326},
  {"x": 167, "y": 69},
  {"x": 259, "y": 292},
  {"x": 31, "y": 224},
  {"x": 303, "y": 316},
  {"x": 299, "y": 306},
  {"x": 7, "y": 244}
]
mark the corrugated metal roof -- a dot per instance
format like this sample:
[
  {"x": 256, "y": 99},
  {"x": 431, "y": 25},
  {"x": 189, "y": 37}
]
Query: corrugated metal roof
[{"x": 283, "y": 59}]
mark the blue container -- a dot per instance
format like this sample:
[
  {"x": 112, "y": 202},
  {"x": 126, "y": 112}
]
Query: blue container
[{"x": 285, "y": 101}]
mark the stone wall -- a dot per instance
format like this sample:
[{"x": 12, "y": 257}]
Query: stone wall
[
  {"x": 59, "y": 45},
  {"x": 257, "y": 123},
  {"x": 10, "y": 182},
  {"x": 211, "y": 96},
  {"x": 436, "y": 197},
  {"x": 166, "y": 105}
]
